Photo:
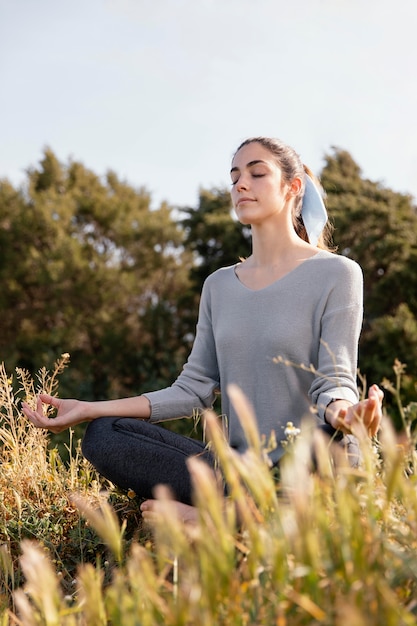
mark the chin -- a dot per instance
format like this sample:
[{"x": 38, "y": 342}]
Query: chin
[{"x": 244, "y": 220}]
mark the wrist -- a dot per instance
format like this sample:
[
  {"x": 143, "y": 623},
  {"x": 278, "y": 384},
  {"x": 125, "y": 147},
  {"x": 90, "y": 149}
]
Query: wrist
[
  {"x": 89, "y": 410},
  {"x": 331, "y": 414}
]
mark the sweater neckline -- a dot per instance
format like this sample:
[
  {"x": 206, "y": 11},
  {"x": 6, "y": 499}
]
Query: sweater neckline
[{"x": 278, "y": 280}]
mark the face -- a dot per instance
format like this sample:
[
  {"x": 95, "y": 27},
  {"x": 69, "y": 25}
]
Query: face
[{"x": 258, "y": 190}]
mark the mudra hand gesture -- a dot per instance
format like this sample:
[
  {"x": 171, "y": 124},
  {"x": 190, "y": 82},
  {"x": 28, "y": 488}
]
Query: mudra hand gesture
[
  {"x": 69, "y": 413},
  {"x": 361, "y": 418}
]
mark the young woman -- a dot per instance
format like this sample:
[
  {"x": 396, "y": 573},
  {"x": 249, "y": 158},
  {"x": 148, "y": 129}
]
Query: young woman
[{"x": 292, "y": 302}]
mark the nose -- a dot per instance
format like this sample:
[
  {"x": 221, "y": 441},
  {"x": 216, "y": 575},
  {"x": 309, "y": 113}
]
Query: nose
[{"x": 242, "y": 183}]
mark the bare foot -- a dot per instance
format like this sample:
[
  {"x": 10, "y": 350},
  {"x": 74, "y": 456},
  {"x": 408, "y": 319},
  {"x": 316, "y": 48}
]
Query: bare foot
[{"x": 155, "y": 510}]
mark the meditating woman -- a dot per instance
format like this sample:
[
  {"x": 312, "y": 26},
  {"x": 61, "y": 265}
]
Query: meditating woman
[{"x": 292, "y": 301}]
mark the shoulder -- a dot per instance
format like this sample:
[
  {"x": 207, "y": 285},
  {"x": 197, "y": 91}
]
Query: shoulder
[
  {"x": 338, "y": 265},
  {"x": 220, "y": 276},
  {"x": 217, "y": 284}
]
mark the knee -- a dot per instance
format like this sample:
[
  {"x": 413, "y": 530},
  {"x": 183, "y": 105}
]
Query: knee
[{"x": 95, "y": 437}]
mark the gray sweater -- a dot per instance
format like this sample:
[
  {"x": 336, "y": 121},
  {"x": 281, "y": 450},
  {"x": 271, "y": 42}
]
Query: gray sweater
[{"x": 258, "y": 339}]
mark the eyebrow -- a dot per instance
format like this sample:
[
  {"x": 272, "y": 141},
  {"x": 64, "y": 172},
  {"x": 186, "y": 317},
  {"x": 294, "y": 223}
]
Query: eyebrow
[{"x": 250, "y": 164}]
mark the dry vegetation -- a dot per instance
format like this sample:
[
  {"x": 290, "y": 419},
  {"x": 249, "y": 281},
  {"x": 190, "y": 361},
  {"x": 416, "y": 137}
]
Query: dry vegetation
[{"x": 326, "y": 547}]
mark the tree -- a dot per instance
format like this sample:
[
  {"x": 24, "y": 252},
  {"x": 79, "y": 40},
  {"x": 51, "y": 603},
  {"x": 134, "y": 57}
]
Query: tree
[
  {"x": 88, "y": 268},
  {"x": 378, "y": 228}
]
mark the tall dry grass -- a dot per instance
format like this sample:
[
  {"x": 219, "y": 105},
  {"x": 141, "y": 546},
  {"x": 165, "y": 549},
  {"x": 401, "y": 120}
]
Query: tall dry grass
[
  {"x": 336, "y": 546},
  {"x": 36, "y": 488}
]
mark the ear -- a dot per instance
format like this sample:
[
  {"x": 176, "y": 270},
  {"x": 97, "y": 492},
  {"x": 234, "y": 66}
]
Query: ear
[{"x": 296, "y": 186}]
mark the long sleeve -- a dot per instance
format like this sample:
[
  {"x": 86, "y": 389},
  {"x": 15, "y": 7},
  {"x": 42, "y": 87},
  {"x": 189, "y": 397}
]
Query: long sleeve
[
  {"x": 341, "y": 322},
  {"x": 196, "y": 385},
  {"x": 291, "y": 347}
]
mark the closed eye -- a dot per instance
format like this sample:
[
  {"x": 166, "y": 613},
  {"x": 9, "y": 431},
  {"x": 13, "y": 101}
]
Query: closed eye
[{"x": 253, "y": 176}]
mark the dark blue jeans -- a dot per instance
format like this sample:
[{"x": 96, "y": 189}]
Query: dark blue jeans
[{"x": 134, "y": 454}]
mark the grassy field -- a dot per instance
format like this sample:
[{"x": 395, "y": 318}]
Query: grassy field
[{"x": 332, "y": 547}]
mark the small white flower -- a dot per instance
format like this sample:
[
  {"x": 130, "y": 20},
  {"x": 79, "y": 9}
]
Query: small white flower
[{"x": 291, "y": 431}]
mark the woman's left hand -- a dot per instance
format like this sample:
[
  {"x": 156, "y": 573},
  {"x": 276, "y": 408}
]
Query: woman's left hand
[{"x": 361, "y": 418}]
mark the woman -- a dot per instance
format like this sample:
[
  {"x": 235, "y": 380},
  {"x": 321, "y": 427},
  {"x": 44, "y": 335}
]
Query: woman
[{"x": 290, "y": 302}]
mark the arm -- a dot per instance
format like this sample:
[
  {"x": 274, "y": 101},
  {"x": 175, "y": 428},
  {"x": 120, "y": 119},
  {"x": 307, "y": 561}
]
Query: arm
[
  {"x": 336, "y": 388},
  {"x": 73, "y": 412},
  {"x": 194, "y": 388}
]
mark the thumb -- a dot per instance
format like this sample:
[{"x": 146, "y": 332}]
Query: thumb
[{"x": 341, "y": 417}]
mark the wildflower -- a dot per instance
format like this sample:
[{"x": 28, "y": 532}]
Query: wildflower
[{"x": 291, "y": 431}]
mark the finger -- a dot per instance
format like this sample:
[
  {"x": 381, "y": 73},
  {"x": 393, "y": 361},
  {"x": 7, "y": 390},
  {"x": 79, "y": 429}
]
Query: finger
[
  {"x": 370, "y": 422},
  {"x": 37, "y": 418},
  {"x": 27, "y": 410},
  {"x": 342, "y": 418},
  {"x": 375, "y": 400},
  {"x": 363, "y": 411},
  {"x": 32, "y": 416},
  {"x": 374, "y": 429},
  {"x": 151, "y": 516},
  {"x": 365, "y": 416},
  {"x": 376, "y": 424},
  {"x": 372, "y": 416},
  {"x": 355, "y": 420},
  {"x": 376, "y": 392},
  {"x": 151, "y": 510},
  {"x": 47, "y": 399},
  {"x": 39, "y": 405},
  {"x": 147, "y": 505}
]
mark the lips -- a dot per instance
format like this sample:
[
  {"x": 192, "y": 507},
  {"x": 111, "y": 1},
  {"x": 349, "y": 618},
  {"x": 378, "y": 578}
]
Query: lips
[{"x": 244, "y": 199}]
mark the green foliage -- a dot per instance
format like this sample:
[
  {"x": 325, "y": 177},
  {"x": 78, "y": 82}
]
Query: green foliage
[
  {"x": 399, "y": 330},
  {"x": 88, "y": 268},
  {"x": 378, "y": 228}
]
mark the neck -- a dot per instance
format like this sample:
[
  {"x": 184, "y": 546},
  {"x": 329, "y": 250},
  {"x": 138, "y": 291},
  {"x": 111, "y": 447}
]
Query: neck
[{"x": 271, "y": 247}]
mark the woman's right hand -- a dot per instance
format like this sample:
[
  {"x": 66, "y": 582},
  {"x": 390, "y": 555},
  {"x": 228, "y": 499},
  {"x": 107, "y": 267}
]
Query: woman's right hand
[{"x": 69, "y": 413}]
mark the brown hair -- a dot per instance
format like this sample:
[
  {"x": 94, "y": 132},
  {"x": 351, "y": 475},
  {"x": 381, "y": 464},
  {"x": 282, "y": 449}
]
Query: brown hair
[{"x": 291, "y": 166}]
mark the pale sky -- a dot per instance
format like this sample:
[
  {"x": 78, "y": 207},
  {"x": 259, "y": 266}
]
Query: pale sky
[{"x": 163, "y": 91}]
